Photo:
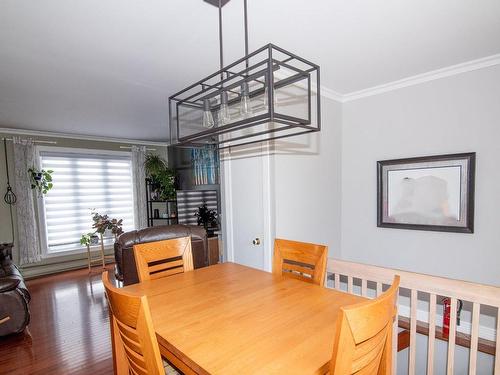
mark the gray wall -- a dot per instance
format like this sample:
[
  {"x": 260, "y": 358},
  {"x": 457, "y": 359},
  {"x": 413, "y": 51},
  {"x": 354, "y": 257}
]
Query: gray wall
[
  {"x": 307, "y": 183},
  {"x": 449, "y": 115}
]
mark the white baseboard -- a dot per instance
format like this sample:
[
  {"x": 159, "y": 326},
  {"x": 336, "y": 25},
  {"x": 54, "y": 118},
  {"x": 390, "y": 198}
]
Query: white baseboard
[{"x": 44, "y": 269}]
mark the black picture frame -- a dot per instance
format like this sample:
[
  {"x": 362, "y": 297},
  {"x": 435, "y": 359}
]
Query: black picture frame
[{"x": 422, "y": 194}]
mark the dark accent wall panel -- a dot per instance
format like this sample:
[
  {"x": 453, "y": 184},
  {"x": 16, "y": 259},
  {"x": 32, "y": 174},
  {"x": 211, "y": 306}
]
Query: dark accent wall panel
[{"x": 188, "y": 202}]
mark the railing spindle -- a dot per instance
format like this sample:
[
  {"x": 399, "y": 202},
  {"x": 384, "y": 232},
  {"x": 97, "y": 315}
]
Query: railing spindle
[
  {"x": 395, "y": 331},
  {"x": 432, "y": 334},
  {"x": 337, "y": 281},
  {"x": 379, "y": 288},
  {"x": 451, "y": 338},
  {"x": 364, "y": 287},
  {"x": 349, "y": 284},
  {"x": 413, "y": 332},
  {"x": 473, "y": 338},
  {"x": 497, "y": 350}
]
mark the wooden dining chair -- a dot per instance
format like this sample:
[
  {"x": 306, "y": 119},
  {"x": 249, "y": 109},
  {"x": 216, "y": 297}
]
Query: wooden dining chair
[
  {"x": 363, "y": 336},
  {"x": 301, "y": 260},
  {"x": 135, "y": 348},
  {"x": 163, "y": 258}
]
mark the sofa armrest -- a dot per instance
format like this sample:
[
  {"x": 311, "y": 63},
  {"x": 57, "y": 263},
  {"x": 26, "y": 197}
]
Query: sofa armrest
[{"x": 8, "y": 284}]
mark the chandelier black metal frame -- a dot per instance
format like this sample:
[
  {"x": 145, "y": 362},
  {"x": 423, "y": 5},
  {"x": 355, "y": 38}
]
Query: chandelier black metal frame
[{"x": 266, "y": 95}]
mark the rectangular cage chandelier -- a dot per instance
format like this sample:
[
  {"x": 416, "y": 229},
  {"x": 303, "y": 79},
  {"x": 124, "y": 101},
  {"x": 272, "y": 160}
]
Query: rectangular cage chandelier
[{"x": 266, "y": 95}]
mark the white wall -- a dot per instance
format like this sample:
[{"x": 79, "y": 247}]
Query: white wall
[
  {"x": 449, "y": 115},
  {"x": 307, "y": 183}
]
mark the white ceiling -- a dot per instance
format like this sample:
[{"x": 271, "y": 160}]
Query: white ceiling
[{"x": 106, "y": 68}]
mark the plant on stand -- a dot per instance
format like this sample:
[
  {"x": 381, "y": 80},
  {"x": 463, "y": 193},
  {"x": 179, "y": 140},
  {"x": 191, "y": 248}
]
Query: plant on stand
[
  {"x": 103, "y": 224},
  {"x": 86, "y": 240},
  {"x": 160, "y": 177},
  {"x": 41, "y": 180}
]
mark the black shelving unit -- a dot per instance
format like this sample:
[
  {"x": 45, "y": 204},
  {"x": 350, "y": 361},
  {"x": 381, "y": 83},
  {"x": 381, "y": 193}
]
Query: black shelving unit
[{"x": 167, "y": 209}]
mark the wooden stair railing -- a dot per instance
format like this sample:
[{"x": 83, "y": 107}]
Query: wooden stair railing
[{"x": 357, "y": 277}]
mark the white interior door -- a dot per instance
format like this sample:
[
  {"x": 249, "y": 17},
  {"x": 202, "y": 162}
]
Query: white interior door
[{"x": 246, "y": 207}]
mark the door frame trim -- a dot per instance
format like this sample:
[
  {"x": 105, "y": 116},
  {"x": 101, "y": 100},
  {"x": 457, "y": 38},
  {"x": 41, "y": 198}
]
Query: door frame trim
[{"x": 268, "y": 200}]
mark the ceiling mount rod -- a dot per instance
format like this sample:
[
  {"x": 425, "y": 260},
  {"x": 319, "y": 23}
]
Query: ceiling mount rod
[
  {"x": 246, "y": 30},
  {"x": 221, "y": 52}
]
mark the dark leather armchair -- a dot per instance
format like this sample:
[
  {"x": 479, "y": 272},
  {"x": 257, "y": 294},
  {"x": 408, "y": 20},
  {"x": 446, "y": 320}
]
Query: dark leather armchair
[
  {"x": 126, "y": 269},
  {"x": 14, "y": 298}
]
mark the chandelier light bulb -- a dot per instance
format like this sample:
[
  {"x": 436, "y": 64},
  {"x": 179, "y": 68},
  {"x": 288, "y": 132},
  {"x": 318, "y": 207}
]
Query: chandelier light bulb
[
  {"x": 208, "y": 119},
  {"x": 266, "y": 97},
  {"x": 245, "y": 104},
  {"x": 224, "y": 117}
]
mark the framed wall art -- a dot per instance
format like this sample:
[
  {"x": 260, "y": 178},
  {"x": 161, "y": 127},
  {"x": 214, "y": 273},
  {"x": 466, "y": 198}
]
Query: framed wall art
[{"x": 427, "y": 193}]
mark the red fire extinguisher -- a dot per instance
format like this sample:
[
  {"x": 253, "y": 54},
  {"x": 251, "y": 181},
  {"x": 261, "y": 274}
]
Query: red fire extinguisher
[{"x": 446, "y": 315}]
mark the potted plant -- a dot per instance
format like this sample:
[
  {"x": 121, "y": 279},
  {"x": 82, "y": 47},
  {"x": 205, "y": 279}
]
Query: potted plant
[
  {"x": 103, "y": 223},
  {"x": 207, "y": 218},
  {"x": 160, "y": 177},
  {"x": 41, "y": 180}
]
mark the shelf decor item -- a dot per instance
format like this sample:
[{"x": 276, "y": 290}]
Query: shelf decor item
[
  {"x": 41, "y": 180},
  {"x": 267, "y": 94},
  {"x": 427, "y": 193}
]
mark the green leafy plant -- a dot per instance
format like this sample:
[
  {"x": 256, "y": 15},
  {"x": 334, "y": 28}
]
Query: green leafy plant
[
  {"x": 206, "y": 217},
  {"x": 103, "y": 223},
  {"x": 41, "y": 180},
  {"x": 154, "y": 164},
  {"x": 86, "y": 239},
  {"x": 160, "y": 177}
]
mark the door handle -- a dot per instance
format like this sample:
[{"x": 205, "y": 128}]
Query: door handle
[{"x": 256, "y": 241}]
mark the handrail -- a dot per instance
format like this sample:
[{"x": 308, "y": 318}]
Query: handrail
[{"x": 472, "y": 292}]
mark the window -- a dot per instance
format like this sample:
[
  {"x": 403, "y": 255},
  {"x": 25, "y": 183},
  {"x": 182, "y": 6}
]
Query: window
[{"x": 84, "y": 182}]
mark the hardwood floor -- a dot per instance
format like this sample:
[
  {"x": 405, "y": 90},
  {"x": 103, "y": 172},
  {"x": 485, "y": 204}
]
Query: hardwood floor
[{"x": 69, "y": 329}]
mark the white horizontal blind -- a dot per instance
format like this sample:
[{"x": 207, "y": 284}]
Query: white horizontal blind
[{"x": 82, "y": 183}]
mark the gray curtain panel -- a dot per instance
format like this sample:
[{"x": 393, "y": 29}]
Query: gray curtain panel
[
  {"x": 27, "y": 228},
  {"x": 139, "y": 182}
]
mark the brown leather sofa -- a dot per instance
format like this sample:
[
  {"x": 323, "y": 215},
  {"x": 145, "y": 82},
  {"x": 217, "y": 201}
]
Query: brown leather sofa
[
  {"x": 126, "y": 269},
  {"x": 14, "y": 298}
]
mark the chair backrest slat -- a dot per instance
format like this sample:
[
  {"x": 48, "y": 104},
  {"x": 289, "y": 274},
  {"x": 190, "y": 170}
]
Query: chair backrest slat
[
  {"x": 363, "y": 336},
  {"x": 131, "y": 320},
  {"x": 163, "y": 258},
  {"x": 300, "y": 260}
]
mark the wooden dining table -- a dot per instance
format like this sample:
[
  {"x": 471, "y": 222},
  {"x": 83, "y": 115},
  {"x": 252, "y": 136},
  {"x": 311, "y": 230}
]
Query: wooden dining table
[{"x": 232, "y": 319}]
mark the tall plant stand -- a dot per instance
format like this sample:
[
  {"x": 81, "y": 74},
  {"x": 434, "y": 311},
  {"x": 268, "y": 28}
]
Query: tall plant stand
[
  {"x": 101, "y": 259},
  {"x": 92, "y": 261},
  {"x": 104, "y": 256}
]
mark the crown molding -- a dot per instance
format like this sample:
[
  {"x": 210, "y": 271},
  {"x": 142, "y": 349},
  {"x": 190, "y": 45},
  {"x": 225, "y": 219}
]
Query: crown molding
[
  {"x": 424, "y": 77},
  {"x": 38, "y": 133},
  {"x": 331, "y": 94}
]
